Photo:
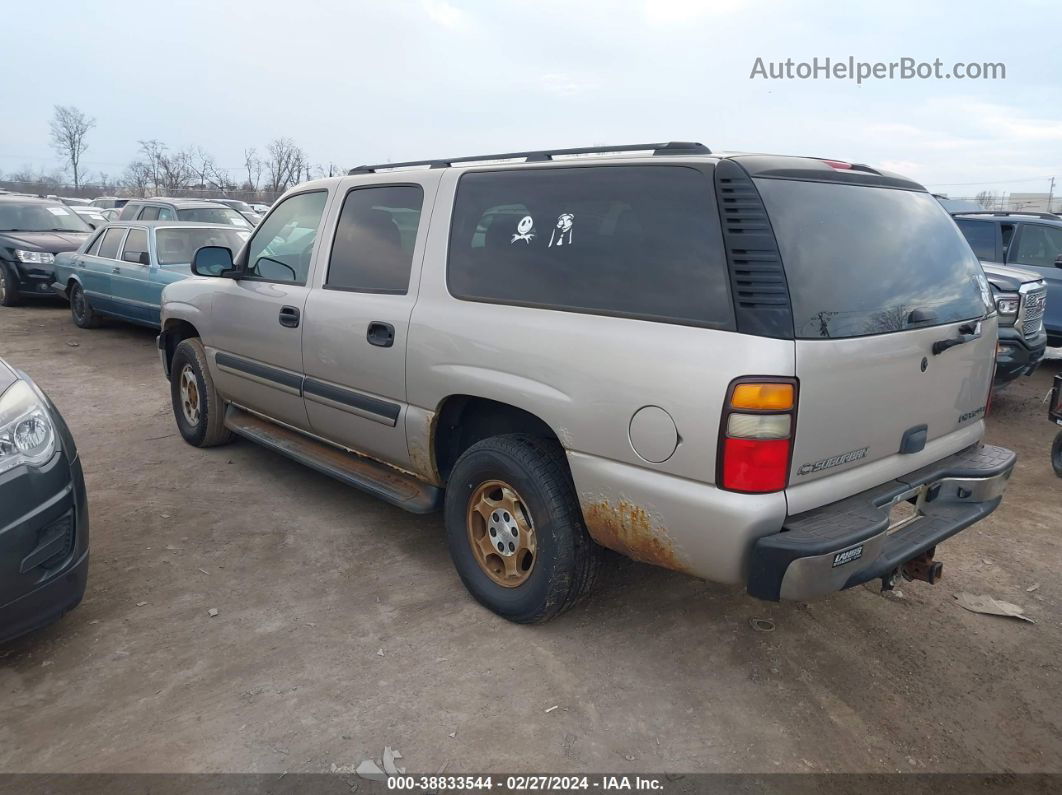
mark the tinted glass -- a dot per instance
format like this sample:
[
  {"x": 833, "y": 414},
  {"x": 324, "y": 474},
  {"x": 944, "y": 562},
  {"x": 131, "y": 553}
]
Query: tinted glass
[
  {"x": 214, "y": 215},
  {"x": 176, "y": 246},
  {"x": 860, "y": 260},
  {"x": 135, "y": 245},
  {"x": 149, "y": 214},
  {"x": 1038, "y": 246},
  {"x": 636, "y": 241},
  {"x": 111, "y": 240},
  {"x": 373, "y": 246},
  {"x": 981, "y": 236},
  {"x": 282, "y": 246},
  {"x": 39, "y": 217}
]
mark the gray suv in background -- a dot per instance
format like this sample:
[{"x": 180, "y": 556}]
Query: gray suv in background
[{"x": 760, "y": 370}]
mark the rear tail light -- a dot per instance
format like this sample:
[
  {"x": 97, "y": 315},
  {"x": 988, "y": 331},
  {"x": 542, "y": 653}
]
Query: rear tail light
[
  {"x": 840, "y": 165},
  {"x": 756, "y": 435}
]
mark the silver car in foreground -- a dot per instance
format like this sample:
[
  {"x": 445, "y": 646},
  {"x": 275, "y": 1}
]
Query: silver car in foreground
[{"x": 762, "y": 370}]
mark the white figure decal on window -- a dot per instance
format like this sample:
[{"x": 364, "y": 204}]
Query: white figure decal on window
[
  {"x": 562, "y": 232},
  {"x": 525, "y": 230}
]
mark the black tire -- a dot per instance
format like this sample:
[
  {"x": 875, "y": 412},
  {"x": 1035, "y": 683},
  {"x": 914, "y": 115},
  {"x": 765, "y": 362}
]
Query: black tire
[
  {"x": 202, "y": 422},
  {"x": 1056, "y": 454},
  {"x": 8, "y": 286},
  {"x": 565, "y": 560},
  {"x": 81, "y": 310}
]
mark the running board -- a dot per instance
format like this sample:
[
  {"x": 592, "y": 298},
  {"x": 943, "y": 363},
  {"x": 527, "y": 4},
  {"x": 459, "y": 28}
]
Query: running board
[{"x": 363, "y": 473}]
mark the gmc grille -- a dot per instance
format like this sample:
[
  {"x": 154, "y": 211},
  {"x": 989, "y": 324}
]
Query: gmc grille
[{"x": 1032, "y": 312}]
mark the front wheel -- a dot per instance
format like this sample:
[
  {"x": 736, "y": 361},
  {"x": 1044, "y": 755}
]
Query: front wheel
[
  {"x": 81, "y": 310},
  {"x": 515, "y": 529},
  {"x": 197, "y": 406},
  {"x": 1056, "y": 454},
  {"x": 8, "y": 286}
]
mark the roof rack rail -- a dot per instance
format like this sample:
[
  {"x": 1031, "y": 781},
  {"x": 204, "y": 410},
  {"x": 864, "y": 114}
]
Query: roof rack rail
[
  {"x": 1044, "y": 216},
  {"x": 668, "y": 148}
]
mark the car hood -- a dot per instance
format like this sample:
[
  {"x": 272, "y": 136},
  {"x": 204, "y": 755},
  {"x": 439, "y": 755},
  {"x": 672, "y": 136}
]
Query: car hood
[
  {"x": 53, "y": 242},
  {"x": 1004, "y": 277}
]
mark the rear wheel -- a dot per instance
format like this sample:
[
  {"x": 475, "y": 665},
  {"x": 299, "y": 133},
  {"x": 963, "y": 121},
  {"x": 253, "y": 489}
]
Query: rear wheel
[
  {"x": 515, "y": 529},
  {"x": 8, "y": 286},
  {"x": 81, "y": 310},
  {"x": 1056, "y": 454},
  {"x": 197, "y": 406}
]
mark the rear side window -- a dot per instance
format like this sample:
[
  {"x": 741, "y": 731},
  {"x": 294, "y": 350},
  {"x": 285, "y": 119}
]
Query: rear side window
[
  {"x": 632, "y": 241},
  {"x": 149, "y": 214},
  {"x": 373, "y": 247},
  {"x": 111, "y": 240},
  {"x": 981, "y": 235},
  {"x": 860, "y": 260}
]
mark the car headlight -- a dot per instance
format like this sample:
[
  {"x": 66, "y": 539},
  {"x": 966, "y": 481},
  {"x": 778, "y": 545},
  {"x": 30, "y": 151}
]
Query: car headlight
[
  {"x": 27, "y": 435},
  {"x": 1008, "y": 305},
  {"x": 34, "y": 257}
]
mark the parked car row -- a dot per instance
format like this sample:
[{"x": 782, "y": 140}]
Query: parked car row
[{"x": 764, "y": 370}]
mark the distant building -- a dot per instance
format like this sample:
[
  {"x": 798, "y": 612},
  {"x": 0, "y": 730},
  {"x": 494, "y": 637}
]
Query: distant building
[{"x": 1033, "y": 202}]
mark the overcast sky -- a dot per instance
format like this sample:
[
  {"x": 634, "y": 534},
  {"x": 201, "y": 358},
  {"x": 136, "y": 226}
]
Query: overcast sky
[{"x": 355, "y": 82}]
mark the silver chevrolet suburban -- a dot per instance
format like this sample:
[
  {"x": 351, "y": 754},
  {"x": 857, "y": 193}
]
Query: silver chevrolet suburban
[{"x": 761, "y": 370}]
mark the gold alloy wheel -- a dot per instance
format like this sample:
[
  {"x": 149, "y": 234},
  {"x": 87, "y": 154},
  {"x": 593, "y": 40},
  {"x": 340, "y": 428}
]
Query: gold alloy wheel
[
  {"x": 501, "y": 533},
  {"x": 189, "y": 394}
]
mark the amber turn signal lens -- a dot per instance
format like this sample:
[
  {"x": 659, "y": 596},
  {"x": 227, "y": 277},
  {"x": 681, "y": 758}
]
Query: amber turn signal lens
[{"x": 765, "y": 397}]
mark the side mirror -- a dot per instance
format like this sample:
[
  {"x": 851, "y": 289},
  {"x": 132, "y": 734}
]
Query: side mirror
[
  {"x": 1058, "y": 262},
  {"x": 145, "y": 258},
  {"x": 212, "y": 261}
]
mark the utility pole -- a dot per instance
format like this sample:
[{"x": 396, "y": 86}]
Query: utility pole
[{"x": 1051, "y": 194}]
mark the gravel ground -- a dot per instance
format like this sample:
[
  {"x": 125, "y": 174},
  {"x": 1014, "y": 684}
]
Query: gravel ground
[{"x": 342, "y": 627}]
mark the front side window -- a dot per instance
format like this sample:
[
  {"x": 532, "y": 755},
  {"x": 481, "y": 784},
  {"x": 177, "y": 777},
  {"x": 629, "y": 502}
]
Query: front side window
[
  {"x": 981, "y": 235},
  {"x": 149, "y": 214},
  {"x": 373, "y": 247},
  {"x": 111, "y": 240},
  {"x": 283, "y": 244},
  {"x": 135, "y": 245},
  {"x": 1038, "y": 246},
  {"x": 631, "y": 241}
]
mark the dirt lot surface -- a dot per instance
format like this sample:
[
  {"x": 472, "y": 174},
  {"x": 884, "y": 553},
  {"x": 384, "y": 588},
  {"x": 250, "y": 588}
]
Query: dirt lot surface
[{"x": 342, "y": 627}]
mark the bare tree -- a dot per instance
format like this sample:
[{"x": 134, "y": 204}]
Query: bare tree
[
  {"x": 285, "y": 164},
  {"x": 986, "y": 199},
  {"x": 69, "y": 127},
  {"x": 137, "y": 177},
  {"x": 253, "y": 164}
]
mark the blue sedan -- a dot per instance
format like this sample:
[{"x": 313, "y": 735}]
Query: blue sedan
[{"x": 120, "y": 271}]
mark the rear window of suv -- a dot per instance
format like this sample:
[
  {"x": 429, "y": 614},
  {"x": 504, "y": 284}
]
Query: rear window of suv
[
  {"x": 860, "y": 260},
  {"x": 631, "y": 241}
]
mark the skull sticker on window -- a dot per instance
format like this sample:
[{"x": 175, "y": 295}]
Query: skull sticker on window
[
  {"x": 525, "y": 230},
  {"x": 562, "y": 232}
]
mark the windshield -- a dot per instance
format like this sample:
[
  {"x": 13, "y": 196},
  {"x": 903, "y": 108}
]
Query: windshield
[
  {"x": 176, "y": 246},
  {"x": 40, "y": 218},
  {"x": 862, "y": 260},
  {"x": 236, "y": 204},
  {"x": 214, "y": 215}
]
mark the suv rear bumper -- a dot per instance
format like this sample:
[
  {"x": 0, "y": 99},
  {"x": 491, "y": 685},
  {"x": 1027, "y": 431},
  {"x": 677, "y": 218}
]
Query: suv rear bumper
[{"x": 850, "y": 542}]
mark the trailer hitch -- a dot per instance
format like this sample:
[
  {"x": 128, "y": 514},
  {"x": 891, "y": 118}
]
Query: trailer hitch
[{"x": 923, "y": 568}]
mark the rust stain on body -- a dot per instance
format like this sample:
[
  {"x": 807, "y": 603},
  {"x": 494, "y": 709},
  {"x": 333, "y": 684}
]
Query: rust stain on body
[
  {"x": 629, "y": 529},
  {"x": 421, "y": 447}
]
